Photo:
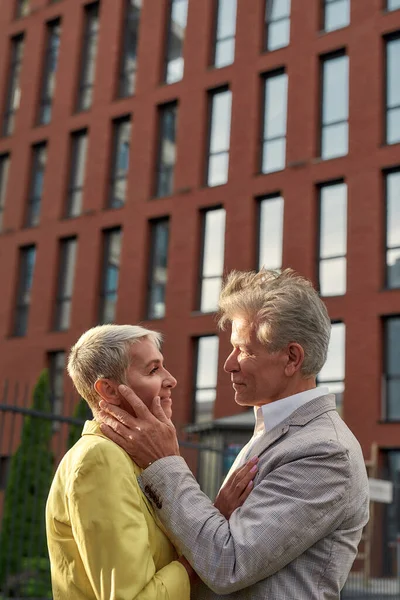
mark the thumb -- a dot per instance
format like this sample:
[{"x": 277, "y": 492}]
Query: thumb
[{"x": 157, "y": 410}]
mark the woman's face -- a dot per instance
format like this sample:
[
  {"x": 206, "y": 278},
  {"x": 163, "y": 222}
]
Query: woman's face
[{"x": 148, "y": 377}]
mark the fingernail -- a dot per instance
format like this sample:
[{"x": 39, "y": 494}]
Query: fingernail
[
  {"x": 254, "y": 469},
  {"x": 250, "y": 484},
  {"x": 102, "y": 404},
  {"x": 122, "y": 388},
  {"x": 255, "y": 459},
  {"x": 158, "y": 400}
]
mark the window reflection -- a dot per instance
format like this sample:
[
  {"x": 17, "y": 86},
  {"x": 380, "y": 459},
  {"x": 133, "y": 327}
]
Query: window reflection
[
  {"x": 335, "y": 107},
  {"x": 393, "y": 229},
  {"x": 336, "y": 14},
  {"x": 225, "y": 33},
  {"x": 392, "y": 91},
  {"x": 271, "y": 233},
  {"x": 213, "y": 259},
  {"x": 119, "y": 175},
  {"x": 110, "y": 275},
  {"x": 220, "y": 131},
  {"x": 128, "y": 67},
  {"x": 175, "y": 39},
  {"x": 4, "y": 168},
  {"x": 166, "y": 149},
  {"x": 274, "y": 136},
  {"x": 158, "y": 269},
  {"x": 392, "y": 368},
  {"x": 393, "y": 4},
  {"x": 277, "y": 24},
  {"x": 206, "y": 378},
  {"x": 333, "y": 239},
  {"x": 333, "y": 372}
]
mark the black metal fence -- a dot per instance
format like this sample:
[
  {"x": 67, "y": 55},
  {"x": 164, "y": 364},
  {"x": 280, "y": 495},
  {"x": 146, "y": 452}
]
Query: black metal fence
[{"x": 32, "y": 441}]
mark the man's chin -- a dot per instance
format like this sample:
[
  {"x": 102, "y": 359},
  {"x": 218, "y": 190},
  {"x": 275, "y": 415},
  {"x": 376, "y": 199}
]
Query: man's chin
[{"x": 242, "y": 400}]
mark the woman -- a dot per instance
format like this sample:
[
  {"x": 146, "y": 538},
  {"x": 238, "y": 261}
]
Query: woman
[{"x": 104, "y": 539}]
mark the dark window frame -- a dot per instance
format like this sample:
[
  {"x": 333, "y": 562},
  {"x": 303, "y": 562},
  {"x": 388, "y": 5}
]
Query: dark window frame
[
  {"x": 91, "y": 11},
  {"x": 72, "y": 189},
  {"x": 266, "y": 25},
  {"x": 167, "y": 45},
  {"x": 215, "y": 39},
  {"x": 62, "y": 297},
  {"x": 211, "y": 93},
  {"x": 5, "y": 162},
  {"x": 113, "y": 177},
  {"x": 21, "y": 307},
  {"x": 385, "y": 377},
  {"x": 259, "y": 201},
  {"x": 195, "y": 350},
  {"x": 34, "y": 202},
  {"x": 391, "y": 37},
  {"x": 201, "y": 279},
  {"x": 162, "y": 110},
  {"x": 14, "y": 78},
  {"x": 104, "y": 292},
  {"x": 124, "y": 73},
  {"x": 386, "y": 173},
  {"x": 263, "y": 78}
]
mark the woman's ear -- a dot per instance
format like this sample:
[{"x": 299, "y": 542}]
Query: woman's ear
[{"x": 108, "y": 391}]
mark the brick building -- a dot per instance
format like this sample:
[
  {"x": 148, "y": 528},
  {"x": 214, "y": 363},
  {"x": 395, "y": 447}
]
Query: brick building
[{"x": 149, "y": 146}]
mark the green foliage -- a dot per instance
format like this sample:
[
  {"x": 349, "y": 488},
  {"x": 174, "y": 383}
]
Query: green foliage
[
  {"x": 23, "y": 549},
  {"x": 81, "y": 412}
]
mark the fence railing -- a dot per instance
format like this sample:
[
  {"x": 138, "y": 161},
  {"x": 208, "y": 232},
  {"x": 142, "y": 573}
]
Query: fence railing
[{"x": 32, "y": 442}]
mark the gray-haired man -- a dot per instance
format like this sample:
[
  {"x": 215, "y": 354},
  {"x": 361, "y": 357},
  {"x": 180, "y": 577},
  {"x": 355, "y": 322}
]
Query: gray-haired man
[{"x": 296, "y": 535}]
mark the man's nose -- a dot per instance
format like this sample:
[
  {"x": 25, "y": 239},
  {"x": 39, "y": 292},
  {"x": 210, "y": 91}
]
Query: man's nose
[{"x": 231, "y": 363}]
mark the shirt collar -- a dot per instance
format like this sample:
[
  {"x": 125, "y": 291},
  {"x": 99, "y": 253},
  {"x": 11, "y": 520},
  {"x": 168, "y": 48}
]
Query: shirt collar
[{"x": 270, "y": 415}]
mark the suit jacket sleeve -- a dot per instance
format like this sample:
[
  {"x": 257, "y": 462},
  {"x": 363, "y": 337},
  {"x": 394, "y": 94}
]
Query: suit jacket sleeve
[
  {"x": 291, "y": 508},
  {"x": 111, "y": 532}
]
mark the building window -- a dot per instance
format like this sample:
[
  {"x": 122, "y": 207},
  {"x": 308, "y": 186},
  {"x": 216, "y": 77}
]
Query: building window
[
  {"x": 4, "y": 168},
  {"x": 56, "y": 377},
  {"x": 166, "y": 149},
  {"x": 4, "y": 467},
  {"x": 50, "y": 69},
  {"x": 212, "y": 265},
  {"x": 206, "y": 372},
  {"x": 14, "y": 89},
  {"x": 335, "y": 106},
  {"x": 277, "y": 24},
  {"x": 128, "y": 68},
  {"x": 219, "y": 137},
  {"x": 392, "y": 368},
  {"x": 158, "y": 268},
  {"x": 393, "y": 229},
  {"x": 110, "y": 275},
  {"x": 270, "y": 232},
  {"x": 392, "y": 517},
  {"x": 225, "y": 31},
  {"x": 333, "y": 371},
  {"x": 25, "y": 279},
  {"x": 39, "y": 158},
  {"x": 22, "y": 9},
  {"x": 393, "y": 4},
  {"x": 336, "y": 14},
  {"x": 79, "y": 142},
  {"x": 333, "y": 239},
  {"x": 175, "y": 38},
  {"x": 65, "y": 288},
  {"x": 392, "y": 91},
  {"x": 275, "y": 113},
  {"x": 120, "y": 162},
  {"x": 89, "y": 54}
]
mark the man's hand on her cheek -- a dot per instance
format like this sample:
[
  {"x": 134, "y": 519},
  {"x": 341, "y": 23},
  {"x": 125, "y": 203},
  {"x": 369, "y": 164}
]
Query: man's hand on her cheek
[{"x": 147, "y": 436}]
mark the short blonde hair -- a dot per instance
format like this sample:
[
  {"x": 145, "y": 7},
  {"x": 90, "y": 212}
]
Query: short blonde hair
[
  {"x": 283, "y": 307},
  {"x": 103, "y": 351}
]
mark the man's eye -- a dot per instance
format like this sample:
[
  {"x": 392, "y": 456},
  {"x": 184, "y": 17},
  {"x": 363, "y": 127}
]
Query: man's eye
[{"x": 154, "y": 370}]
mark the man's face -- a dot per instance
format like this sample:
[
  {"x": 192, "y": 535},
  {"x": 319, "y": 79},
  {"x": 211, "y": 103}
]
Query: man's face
[
  {"x": 148, "y": 377},
  {"x": 258, "y": 376}
]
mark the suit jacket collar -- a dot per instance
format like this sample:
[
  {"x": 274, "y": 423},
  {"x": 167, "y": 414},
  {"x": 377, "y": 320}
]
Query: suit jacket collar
[{"x": 301, "y": 416}]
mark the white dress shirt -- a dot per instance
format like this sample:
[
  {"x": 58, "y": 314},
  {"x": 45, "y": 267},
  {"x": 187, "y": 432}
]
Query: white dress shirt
[{"x": 270, "y": 415}]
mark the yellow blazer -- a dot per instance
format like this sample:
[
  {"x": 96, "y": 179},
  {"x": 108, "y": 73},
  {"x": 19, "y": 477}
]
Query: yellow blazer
[{"x": 103, "y": 536}]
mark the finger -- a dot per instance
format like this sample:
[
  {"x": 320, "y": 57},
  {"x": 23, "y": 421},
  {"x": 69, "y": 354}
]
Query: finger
[
  {"x": 117, "y": 413},
  {"x": 246, "y": 493},
  {"x": 158, "y": 412},
  {"x": 242, "y": 481},
  {"x": 123, "y": 431},
  {"x": 241, "y": 472},
  {"x": 140, "y": 409},
  {"x": 114, "y": 436}
]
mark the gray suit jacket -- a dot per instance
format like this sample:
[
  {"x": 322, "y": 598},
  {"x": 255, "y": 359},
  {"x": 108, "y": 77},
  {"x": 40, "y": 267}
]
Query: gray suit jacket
[{"x": 296, "y": 536}]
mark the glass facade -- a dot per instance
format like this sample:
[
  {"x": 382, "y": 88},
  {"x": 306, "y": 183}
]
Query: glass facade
[
  {"x": 335, "y": 107},
  {"x": 79, "y": 143},
  {"x": 39, "y": 159},
  {"x": 174, "y": 63},
  {"x": 128, "y": 67},
  {"x": 50, "y": 70},
  {"x": 213, "y": 258},
  {"x": 89, "y": 55},
  {"x": 336, "y": 14},
  {"x": 110, "y": 275},
  {"x": 270, "y": 233},
  {"x": 277, "y": 24},
  {"x": 120, "y": 162},
  {"x": 275, "y": 116},
  {"x": 206, "y": 378},
  {"x": 24, "y": 288},
  {"x": 65, "y": 288},
  {"x": 158, "y": 274},
  {"x": 219, "y": 137},
  {"x": 392, "y": 91},
  {"x": 333, "y": 371},
  {"x": 13, "y": 98},
  {"x": 168, "y": 115},
  {"x": 333, "y": 239},
  {"x": 224, "y": 45}
]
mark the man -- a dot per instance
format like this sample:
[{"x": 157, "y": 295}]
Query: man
[{"x": 296, "y": 535}]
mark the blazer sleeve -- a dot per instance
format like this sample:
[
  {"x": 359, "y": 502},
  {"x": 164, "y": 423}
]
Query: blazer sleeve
[
  {"x": 289, "y": 510},
  {"x": 112, "y": 536}
]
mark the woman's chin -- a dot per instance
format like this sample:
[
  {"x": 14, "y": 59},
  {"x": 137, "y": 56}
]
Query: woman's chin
[{"x": 166, "y": 405}]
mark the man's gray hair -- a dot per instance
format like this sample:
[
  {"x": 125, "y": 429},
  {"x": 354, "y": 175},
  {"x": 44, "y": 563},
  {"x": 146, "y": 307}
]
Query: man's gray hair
[
  {"x": 103, "y": 351},
  {"x": 283, "y": 307}
]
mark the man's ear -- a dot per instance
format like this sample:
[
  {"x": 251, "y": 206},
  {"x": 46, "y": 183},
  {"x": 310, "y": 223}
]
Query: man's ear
[
  {"x": 108, "y": 391},
  {"x": 295, "y": 358}
]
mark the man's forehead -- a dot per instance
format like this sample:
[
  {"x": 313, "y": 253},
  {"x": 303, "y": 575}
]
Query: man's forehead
[{"x": 241, "y": 331}]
